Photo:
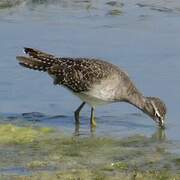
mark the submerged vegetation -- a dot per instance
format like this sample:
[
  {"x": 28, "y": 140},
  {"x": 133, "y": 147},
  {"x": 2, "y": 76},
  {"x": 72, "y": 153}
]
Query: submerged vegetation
[
  {"x": 10, "y": 3},
  {"x": 43, "y": 153},
  {"x": 11, "y": 134}
]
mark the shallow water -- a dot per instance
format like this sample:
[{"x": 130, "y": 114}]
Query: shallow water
[{"x": 140, "y": 36}]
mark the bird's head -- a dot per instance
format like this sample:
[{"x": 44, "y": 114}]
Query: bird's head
[{"x": 156, "y": 109}]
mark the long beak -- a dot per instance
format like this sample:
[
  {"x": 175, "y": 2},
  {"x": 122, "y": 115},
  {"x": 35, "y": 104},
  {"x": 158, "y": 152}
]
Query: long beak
[{"x": 161, "y": 123}]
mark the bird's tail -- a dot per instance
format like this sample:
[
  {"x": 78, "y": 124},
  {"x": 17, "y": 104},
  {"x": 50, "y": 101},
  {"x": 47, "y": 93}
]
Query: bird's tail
[
  {"x": 37, "y": 60},
  {"x": 32, "y": 63}
]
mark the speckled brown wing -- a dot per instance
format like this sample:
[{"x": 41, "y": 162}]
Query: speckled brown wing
[{"x": 79, "y": 74}]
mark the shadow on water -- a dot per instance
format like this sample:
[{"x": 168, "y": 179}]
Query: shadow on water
[
  {"x": 65, "y": 123},
  {"x": 112, "y": 126},
  {"x": 115, "y": 125}
]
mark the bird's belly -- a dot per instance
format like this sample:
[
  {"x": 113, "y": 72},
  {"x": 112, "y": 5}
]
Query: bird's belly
[
  {"x": 91, "y": 100},
  {"x": 100, "y": 94}
]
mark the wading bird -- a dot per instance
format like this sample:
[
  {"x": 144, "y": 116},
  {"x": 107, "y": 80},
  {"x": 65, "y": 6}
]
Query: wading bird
[{"x": 94, "y": 81}]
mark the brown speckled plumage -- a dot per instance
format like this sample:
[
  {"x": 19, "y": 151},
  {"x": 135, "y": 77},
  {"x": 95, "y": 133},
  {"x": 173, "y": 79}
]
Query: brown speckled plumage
[
  {"x": 78, "y": 74},
  {"x": 93, "y": 80}
]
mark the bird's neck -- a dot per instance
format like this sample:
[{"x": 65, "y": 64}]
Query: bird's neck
[{"x": 138, "y": 100}]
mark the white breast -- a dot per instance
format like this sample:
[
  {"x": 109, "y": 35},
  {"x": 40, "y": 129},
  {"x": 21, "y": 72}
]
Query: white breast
[{"x": 102, "y": 93}]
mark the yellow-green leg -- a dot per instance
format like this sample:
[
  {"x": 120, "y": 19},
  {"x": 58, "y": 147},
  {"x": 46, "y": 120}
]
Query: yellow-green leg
[
  {"x": 76, "y": 131},
  {"x": 76, "y": 113},
  {"x": 92, "y": 120}
]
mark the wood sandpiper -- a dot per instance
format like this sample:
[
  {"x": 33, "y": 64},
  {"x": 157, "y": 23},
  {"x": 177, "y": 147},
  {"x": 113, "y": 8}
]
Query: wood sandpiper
[{"x": 95, "y": 82}]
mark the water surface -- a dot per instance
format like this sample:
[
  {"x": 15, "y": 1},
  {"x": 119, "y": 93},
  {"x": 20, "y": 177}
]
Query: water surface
[{"x": 142, "y": 37}]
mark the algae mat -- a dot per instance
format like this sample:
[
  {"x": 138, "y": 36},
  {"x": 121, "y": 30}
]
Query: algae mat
[{"x": 29, "y": 152}]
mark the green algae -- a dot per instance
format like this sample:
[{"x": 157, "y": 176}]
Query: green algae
[
  {"x": 36, "y": 164},
  {"x": 177, "y": 161},
  {"x": 9, "y": 3},
  {"x": 85, "y": 174},
  {"x": 115, "y": 12},
  {"x": 48, "y": 154},
  {"x": 120, "y": 165},
  {"x": 10, "y": 134}
]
